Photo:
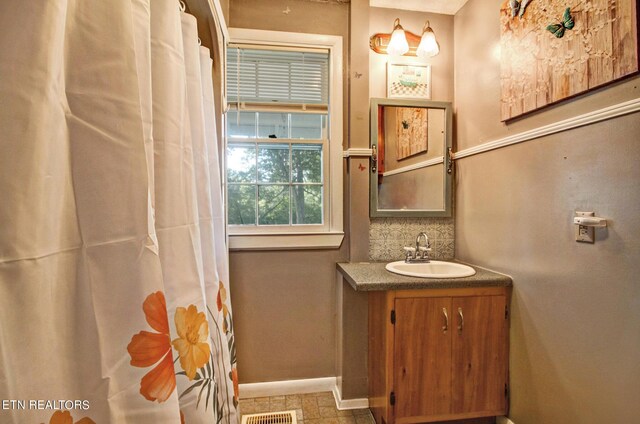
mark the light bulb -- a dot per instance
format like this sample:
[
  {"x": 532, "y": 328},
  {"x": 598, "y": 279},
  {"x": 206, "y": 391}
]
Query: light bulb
[
  {"x": 428, "y": 45},
  {"x": 398, "y": 44}
]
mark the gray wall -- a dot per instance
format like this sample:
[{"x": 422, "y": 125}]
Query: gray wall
[
  {"x": 575, "y": 344},
  {"x": 284, "y": 301}
]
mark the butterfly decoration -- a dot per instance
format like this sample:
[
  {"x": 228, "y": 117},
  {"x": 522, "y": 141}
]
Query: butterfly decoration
[
  {"x": 518, "y": 8},
  {"x": 523, "y": 7},
  {"x": 567, "y": 23},
  {"x": 514, "y": 5}
]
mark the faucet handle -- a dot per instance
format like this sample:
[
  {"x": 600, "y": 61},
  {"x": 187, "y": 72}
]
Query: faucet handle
[
  {"x": 423, "y": 252},
  {"x": 409, "y": 253}
]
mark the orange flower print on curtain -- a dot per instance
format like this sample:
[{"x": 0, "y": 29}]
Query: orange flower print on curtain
[
  {"x": 234, "y": 379},
  {"x": 147, "y": 349},
  {"x": 64, "y": 417},
  {"x": 222, "y": 305},
  {"x": 192, "y": 344},
  {"x": 194, "y": 352},
  {"x": 227, "y": 329}
]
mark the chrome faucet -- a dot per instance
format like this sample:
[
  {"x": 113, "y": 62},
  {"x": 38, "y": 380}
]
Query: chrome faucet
[{"x": 420, "y": 253}]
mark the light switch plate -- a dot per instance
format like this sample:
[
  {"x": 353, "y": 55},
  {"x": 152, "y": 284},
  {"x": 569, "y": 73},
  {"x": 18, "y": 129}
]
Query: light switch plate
[{"x": 585, "y": 234}]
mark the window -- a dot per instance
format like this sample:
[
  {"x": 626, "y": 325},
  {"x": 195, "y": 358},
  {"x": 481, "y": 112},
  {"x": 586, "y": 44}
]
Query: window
[
  {"x": 277, "y": 178},
  {"x": 284, "y": 140}
]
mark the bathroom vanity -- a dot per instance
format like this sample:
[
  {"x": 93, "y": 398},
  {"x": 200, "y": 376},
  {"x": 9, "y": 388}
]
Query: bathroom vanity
[{"x": 438, "y": 349}]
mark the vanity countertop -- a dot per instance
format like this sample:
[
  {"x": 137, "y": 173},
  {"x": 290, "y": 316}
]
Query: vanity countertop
[{"x": 371, "y": 276}]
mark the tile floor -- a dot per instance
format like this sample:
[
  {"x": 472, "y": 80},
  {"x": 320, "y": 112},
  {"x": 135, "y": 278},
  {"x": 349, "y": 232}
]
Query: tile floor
[{"x": 311, "y": 408}]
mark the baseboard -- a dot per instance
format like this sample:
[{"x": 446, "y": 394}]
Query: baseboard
[
  {"x": 504, "y": 420},
  {"x": 312, "y": 385},
  {"x": 296, "y": 387},
  {"x": 287, "y": 387},
  {"x": 343, "y": 404}
]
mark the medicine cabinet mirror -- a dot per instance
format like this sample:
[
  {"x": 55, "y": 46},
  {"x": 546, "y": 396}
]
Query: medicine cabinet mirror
[{"x": 410, "y": 165}]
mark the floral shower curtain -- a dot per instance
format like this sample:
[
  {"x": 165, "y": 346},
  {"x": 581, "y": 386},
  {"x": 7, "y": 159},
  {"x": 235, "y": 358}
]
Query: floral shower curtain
[{"x": 114, "y": 303}]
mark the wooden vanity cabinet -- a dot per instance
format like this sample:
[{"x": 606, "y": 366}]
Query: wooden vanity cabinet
[{"x": 438, "y": 354}]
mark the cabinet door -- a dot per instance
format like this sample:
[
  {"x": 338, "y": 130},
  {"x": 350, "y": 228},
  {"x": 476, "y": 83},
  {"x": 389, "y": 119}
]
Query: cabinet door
[
  {"x": 422, "y": 357},
  {"x": 479, "y": 352}
]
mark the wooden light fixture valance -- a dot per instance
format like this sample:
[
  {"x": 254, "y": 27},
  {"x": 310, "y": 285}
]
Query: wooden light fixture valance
[
  {"x": 401, "y": 42},
  {"x": 379, "y": 42}
]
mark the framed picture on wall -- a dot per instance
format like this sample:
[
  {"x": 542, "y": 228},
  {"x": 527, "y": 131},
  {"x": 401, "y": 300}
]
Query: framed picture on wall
[
  {"x": 411, "y": 131},
  {"x": 406, "y": 81}
]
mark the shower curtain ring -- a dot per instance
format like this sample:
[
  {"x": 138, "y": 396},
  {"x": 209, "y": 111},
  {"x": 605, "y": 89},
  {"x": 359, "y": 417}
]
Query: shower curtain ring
[
  {"x": 183, "y": 6},
  {"x": 199, "y": 41}
]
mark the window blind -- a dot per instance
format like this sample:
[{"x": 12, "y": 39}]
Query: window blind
[{"x": 280, "y": 77}]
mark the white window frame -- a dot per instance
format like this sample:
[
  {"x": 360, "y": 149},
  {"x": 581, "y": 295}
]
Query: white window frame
[{"x": 331, "y": 234}]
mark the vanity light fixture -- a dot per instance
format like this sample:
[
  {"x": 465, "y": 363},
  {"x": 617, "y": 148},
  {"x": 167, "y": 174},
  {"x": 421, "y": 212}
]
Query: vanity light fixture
[
  {"x": 428, "y": 47},
  {"x": 398, "y": 45},
  {"x": 405, "y": 43}
]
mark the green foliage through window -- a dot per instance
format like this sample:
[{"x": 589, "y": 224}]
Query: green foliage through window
[{"x": 275, "y": 183}]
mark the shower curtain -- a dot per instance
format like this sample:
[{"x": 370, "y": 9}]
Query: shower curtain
[{"x": 114, "y": 297}]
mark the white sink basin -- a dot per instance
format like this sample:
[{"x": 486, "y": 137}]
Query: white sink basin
[{"x": 432, "y": 269}]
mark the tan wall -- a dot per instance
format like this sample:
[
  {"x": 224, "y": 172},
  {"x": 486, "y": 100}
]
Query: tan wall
[
  {"x": 353, "y": 311},
  {"x": 357, "y": 191},
  {"x": 284, "y": 301},
  {"x": 284, "y": 309},
  {"x": 224, "y": 4},
  {"x": 575, "y": 344},
  {"x": 351, "y": 365}
]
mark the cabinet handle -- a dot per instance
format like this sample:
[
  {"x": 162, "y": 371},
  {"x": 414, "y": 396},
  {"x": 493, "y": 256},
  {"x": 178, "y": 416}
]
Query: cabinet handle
[
  {"x": 461, "y": 325},
  {"x": 445, "y": 327}
]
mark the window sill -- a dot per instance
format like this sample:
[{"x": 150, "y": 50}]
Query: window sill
[{"x": 286, "y": 241}]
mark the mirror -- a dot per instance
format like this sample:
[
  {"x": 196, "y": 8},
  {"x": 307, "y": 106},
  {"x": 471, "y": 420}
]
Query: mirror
[{"x": 410, "y": 172}]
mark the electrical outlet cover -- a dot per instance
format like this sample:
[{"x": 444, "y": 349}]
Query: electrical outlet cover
[{"x": 585, "y": 234}]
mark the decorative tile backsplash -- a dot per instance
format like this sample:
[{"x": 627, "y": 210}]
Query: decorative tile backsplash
[{"x": 387, "y": 237}]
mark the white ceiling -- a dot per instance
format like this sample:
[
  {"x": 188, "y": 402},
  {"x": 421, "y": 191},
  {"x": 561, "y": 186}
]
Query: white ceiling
[{"x": 447, "y": 7}]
